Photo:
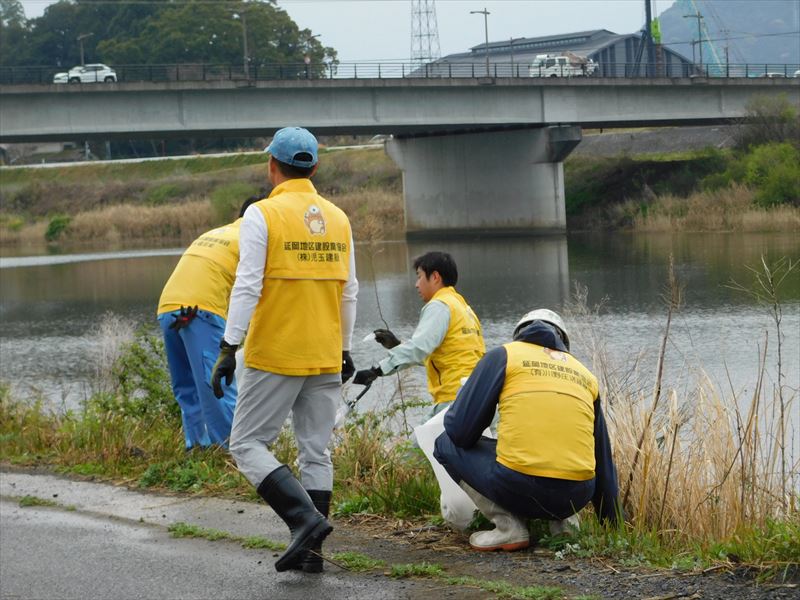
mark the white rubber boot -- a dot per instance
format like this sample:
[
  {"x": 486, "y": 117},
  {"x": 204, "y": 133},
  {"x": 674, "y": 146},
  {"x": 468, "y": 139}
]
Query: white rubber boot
[
  {"x": 567, "y": 526},
  {"x": 510, "y": 532}
]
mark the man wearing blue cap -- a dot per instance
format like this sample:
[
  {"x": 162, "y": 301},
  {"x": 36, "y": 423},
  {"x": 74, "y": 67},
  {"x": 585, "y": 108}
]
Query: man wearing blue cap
[{"x": 295, "y": 290}]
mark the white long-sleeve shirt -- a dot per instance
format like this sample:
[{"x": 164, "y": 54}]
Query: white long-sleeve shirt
[{"x": 253, "y": 236}]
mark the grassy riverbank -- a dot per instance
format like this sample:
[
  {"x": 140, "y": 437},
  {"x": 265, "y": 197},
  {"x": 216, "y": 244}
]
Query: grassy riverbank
[
  {"x": 704, "y": 474},
  {"x": 170, "y": 202}
]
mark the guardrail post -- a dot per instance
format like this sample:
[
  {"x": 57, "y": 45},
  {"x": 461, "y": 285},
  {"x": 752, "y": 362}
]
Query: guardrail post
[
  {"x": 403, "y": 70},
  {"x": 355, "y": 71},
  {"x": 379, "y": 70},
  {"x": 473, "y": 70},
  {"x": 450, "y": 70}
]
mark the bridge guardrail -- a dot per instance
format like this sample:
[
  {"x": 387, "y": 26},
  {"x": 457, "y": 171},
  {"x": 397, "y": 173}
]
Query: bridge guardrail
[{"x": 394, "y": 70}]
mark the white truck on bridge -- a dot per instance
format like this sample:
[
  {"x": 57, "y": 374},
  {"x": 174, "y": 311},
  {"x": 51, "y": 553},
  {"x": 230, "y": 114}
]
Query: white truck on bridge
[{"x": 566, "y": 64}]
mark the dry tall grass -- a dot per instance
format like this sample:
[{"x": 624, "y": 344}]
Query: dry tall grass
[
  {"x": 698, "y": 465},
  {"x": 728, "y": 209},
  {"x": 125, "y": 222}
]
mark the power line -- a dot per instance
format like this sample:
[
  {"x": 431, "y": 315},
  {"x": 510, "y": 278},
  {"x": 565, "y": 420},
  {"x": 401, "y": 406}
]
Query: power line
[{"x": 744, "y": 37}]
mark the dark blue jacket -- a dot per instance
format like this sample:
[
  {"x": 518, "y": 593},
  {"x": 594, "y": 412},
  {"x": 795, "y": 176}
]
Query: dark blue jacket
[{"x": 477, "y": 401}]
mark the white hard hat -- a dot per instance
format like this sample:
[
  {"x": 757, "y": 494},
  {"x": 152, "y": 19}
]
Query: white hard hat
[{"x": 548, "y": 316}]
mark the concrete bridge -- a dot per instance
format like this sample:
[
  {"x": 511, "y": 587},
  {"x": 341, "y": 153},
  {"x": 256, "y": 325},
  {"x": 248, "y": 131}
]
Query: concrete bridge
[{"x": 478, "y": 155}]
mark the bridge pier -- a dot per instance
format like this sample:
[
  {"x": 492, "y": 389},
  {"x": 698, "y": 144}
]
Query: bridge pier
[{"x": 507, "y": 182}]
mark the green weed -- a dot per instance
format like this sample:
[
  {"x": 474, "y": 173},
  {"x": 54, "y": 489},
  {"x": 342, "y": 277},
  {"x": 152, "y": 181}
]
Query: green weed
[
  {"x": 356, "y": 561},
  {"x": 423, "y": 569},
  {"x": 183, "y": 530},
  {"x": 262, "y": 543},
  {"x": 186, "y": 530},
  {"x": 507, "y": 590},
  {"x": 27, "y": 501},
  {"x": 56, "y": 226}
]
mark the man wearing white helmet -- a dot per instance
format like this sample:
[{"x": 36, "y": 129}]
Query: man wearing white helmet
[{"x": 552, "y": 455}]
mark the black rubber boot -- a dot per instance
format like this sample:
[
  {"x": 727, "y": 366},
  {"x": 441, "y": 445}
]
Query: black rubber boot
[
  {"x": 312, "y": 563},
  {"x": 281, "y": 490}
]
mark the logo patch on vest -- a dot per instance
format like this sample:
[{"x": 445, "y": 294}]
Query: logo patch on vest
[
  {"x": 315, "y": 222},
  {"x": 555, "y": 354}
]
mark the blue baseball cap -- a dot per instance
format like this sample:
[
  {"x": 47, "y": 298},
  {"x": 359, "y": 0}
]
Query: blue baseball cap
[{"x": 294, "y": 146}]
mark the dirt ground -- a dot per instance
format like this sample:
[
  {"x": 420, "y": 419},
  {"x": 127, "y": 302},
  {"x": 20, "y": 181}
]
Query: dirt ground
[{"x": 398, "y": 543}]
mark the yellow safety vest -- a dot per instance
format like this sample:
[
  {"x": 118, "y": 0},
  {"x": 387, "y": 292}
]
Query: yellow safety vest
[
  {"x": 205, "y": 273},
  {"x": 460, "y": 350},
  {"x": 546, "y": 425},
  {"x": 296, "y": 327}
]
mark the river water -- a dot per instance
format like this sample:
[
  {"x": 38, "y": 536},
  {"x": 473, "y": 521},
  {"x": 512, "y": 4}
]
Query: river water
[{"x": 51, "y": 306}]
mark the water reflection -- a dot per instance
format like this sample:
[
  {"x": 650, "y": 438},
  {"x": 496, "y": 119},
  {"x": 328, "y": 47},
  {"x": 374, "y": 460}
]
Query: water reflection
[{"x": 50, "y": 312}]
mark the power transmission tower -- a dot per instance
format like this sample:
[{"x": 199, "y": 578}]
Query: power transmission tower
[{"x": 424, "y": 32}]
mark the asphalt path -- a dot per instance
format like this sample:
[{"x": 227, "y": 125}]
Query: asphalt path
[{"x": 102, "y": 542}]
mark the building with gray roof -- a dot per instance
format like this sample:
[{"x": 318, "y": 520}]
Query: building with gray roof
[{"x": 617, "y": 55}]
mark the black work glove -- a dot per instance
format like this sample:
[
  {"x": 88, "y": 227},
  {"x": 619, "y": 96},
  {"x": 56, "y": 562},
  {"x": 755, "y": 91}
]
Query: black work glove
[
  {"x": 348, "y": 368},
  {"x": 367, "y": 376},
  {"x": 386, "y": 338},
  {"x": 224, "y": 367},
  {"x": 184, "y": 318}
]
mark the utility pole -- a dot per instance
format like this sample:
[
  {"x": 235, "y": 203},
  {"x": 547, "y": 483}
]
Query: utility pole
[
  {"x": 485, "y": 14},
  {"x": 699, "y": 18},
  {"x": 725, "y": 32},
  {"x": 82, "y": 37},
  {"x": 242, "y": 16}
]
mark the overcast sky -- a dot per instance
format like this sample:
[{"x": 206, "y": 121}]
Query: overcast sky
[{"x": 381, "y": 29}]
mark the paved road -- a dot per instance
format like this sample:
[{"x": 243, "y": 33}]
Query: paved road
[{"x": 103, "y": 542}]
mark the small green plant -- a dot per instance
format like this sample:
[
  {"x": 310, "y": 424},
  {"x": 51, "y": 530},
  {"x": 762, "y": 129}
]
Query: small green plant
[
  {"x": 423, "y": 569},
  {"x": 356, "y": 561},
  {"x": 262, "y": 543},
  {"x": 187, "y": 530},
  {"x": 56, "y": 227},
  {"x": 183, "y": 530},
  {"x": 27, "y": 501},
  {"x": 507, "y": 590},
  {"x": 141, "y": 377}
]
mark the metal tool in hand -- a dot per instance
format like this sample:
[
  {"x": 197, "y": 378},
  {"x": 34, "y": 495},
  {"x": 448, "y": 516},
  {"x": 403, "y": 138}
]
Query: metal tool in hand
[{"x": 348, "y": 406}]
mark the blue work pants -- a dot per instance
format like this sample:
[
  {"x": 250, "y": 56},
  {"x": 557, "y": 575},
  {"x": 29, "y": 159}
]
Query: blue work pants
[{"x": 191, "y": 354}]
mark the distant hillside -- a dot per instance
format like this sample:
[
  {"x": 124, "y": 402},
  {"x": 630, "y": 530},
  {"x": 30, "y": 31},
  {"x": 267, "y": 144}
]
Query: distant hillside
[{"x": 746, "y": 22}]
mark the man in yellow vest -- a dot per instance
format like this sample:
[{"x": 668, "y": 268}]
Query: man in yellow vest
[
  {"x": 447, "y": 340},
  {"x": 296, "y": 291},
  {"x": 192, "y": 312},
  {"x": 552, "y": 455}
]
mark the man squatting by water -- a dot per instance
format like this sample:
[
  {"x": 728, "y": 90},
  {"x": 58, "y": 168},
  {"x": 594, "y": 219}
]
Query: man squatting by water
[
  {"x": 447, "y": 339},
  {"x": 552, "y": 455},
  {"x": 296, "y": 289}
]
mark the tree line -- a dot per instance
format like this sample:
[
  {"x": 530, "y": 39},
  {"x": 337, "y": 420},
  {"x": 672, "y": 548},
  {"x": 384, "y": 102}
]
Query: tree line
[{"x": 120, "y": 32}]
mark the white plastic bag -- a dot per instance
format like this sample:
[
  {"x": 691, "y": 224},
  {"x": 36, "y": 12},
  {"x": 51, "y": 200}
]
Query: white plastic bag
[{"x": 457, "y": 508}]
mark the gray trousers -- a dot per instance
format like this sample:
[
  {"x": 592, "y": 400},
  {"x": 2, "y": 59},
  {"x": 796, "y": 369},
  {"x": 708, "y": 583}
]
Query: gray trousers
[{"x": 264, "y": 403}]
